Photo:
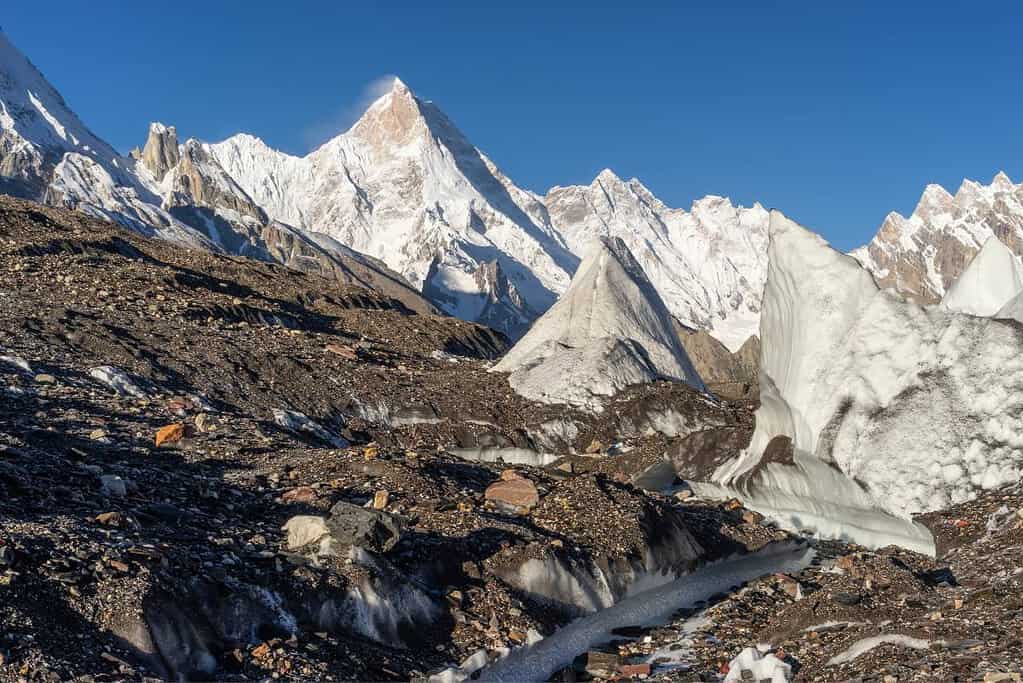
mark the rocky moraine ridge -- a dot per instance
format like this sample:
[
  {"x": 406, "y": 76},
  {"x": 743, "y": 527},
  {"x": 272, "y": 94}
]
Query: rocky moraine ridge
[{"x": 216, "y": 468}]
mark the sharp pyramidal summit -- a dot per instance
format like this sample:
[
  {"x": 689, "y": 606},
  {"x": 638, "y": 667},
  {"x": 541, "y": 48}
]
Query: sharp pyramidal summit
[{"x": 379, "y": 412}]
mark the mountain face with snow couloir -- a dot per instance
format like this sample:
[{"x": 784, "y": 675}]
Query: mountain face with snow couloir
[
  {"x": 404, "y": 187},
  {"x": 403, "y": 202}
]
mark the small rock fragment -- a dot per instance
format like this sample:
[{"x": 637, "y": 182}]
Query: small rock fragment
[
  {"x": 170, "y": 434},
  {"x": 112, "y": 485},
  {"x": 301, "y": 494},
  {"x": 110, "y": 519}
]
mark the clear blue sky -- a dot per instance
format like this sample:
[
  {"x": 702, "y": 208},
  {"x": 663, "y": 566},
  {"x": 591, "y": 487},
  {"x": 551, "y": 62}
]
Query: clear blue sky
[{"x": 833, "y": 112}]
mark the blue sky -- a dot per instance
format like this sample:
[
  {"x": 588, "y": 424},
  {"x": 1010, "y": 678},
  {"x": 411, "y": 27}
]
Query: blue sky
[{"x": 835, "y": 114}]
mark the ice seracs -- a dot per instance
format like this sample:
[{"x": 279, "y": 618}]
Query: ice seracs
[
  {"x": 915, "y": 407},
  {"x": 609, "y": 330},
  {"x": 992, "y": 278}
]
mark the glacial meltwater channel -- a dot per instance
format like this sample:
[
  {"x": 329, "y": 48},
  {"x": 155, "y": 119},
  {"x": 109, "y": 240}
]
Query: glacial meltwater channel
[{"x": 649, "y": 608}]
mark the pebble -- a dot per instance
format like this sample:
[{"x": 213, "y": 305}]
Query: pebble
[{"x": 112, "y": 485}]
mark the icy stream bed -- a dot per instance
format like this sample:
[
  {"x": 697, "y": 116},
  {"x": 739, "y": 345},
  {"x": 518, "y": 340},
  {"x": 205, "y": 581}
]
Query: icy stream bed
[
  {"x": 508, "y": 455},
  {"x": 655, "y": 606}
]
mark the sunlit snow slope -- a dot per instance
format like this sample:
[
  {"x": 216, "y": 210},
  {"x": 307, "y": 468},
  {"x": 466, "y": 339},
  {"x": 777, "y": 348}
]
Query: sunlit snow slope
[{"x": 609, "y": 330}]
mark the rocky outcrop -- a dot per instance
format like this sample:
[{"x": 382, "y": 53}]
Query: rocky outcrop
[
  {"x": 732, "y": 374},
  {"x": 198, "y": 180},
  {"x": 920, "y": 256},
  {"x": 160, "y": 153}
]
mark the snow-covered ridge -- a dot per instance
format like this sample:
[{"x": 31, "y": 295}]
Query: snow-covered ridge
[
  {"x": 921, "y": 255},
  {"x": 404, "y": 185},
  {"x": 167, "y": 189},
  {"x": 708, "y": 264}
]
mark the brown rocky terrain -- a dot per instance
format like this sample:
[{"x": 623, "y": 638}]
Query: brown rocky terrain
[{"x": 220, "y": 468}]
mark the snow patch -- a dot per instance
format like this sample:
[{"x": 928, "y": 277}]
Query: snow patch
[
  {"x": 867, "y": 644},
  {"x": 118, "y": 380},
  {"x": 18, "y": 362}
]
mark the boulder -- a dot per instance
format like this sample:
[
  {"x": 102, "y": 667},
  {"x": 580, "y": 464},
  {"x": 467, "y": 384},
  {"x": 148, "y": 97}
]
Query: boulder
[
  {"x": 352, "y": 525},
  {"x": 112, "y": 485},
  {"x": 514, "y": 492},
  {"x": 304, "y": 530}
]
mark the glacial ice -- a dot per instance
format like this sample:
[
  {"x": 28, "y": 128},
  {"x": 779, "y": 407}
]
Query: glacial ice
[
  {"x": 118, "y": 380},
  {"x": 609, "y": 330},
  {"x": 918, "y": 407},
  {"x": 539, "y": 662},
  {"x": 765, "y": 667},
  {"x": 988, "y": 283},
  {"x": 867, "y": 644}
]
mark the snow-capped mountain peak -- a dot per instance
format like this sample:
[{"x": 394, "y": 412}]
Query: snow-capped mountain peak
[
  {"x": 708, "y": 264},
  {"x": 607, "y": 177},
  {"x": 934, "y": 199},
  {"x": 921, "y": 255},
  {"x": 403, "y": 184},
  {"x": 1002, "y": 182}
]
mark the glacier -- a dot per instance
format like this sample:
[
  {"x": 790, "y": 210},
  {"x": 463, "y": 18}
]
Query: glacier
[
  {"x": 609, "y": 330},
  {"x": 913, "y": 407},
  {"x": 992, "y": 278}
]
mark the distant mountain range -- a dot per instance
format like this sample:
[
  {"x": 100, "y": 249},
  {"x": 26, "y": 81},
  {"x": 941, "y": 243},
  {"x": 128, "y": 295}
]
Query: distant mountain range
[{"x": 402, "y": 202}]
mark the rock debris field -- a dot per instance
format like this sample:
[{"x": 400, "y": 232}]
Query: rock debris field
[{"x": 213, "y": 468}]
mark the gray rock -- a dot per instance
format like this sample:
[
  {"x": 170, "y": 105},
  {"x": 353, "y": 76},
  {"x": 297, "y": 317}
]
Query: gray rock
[
  {"x": 113, "y": 485},
  {"x": 373, "y": 530}
]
